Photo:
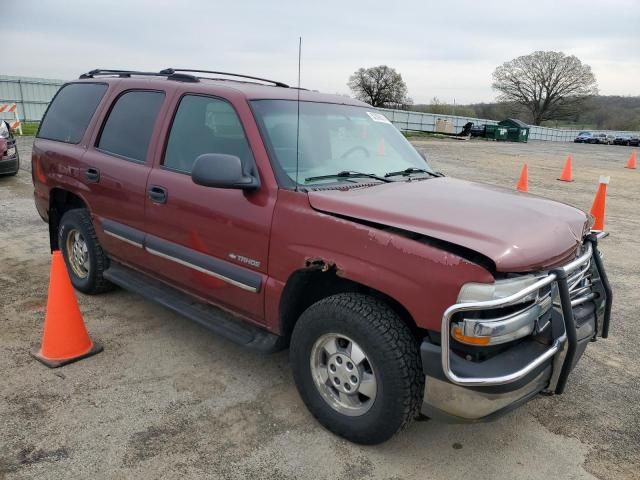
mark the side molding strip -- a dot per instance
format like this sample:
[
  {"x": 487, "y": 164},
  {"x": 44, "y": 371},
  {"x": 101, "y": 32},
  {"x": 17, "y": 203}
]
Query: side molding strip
[
  {"x": 235, "y": 275},
  {"x": 126, "y": 240},
  {"x": 203, "y": 270},
  {"x": 123, "y": 232},
  {"x": 240, "y": 277}
]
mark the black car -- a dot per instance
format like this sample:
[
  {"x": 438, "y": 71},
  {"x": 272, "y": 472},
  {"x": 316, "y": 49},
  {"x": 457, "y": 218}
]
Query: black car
[
  {"x": 9, "y": 160},
  {"x": 622, "y": 139},
  {"x": 634, "y": 140},
  {"x": 583, "y": 137}
]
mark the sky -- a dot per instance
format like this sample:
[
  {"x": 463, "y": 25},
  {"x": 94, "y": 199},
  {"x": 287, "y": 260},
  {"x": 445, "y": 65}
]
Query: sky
[{"x": 445, "y": 49}]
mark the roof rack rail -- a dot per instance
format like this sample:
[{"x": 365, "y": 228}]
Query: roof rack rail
[
  {"x": 180, "y": 77},
  {"x": 173, "y": 71}
]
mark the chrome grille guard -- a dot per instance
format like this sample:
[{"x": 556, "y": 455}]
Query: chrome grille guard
[{"x": 561, "y": 276}]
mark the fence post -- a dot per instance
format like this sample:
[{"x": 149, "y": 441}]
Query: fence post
[{"x": 24, "y": 112}]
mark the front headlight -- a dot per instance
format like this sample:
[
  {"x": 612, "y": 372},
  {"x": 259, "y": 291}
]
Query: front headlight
[
  {"x": 502, "y": 324},
  {"x": 480, "y": 292},
  {"x": 4, "y": 130}
]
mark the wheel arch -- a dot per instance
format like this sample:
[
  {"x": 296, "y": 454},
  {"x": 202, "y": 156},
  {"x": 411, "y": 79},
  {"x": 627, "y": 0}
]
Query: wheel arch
[
  {"x": 309, "y": 285},
  {"x": 61, "y": 201}
]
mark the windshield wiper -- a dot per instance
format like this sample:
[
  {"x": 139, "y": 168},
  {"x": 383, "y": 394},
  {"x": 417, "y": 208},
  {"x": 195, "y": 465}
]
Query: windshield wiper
[
  {"x": 408, "y": 171},
  {"x": 348, "y": 174}
]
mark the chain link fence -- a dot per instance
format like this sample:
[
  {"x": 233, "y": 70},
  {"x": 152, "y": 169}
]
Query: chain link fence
[
  {"x": 32, "y": 95},
  {"x": 426, "y": 122}
]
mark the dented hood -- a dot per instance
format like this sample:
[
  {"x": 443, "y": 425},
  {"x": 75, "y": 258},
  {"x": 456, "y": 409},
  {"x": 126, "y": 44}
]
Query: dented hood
[{"x": 519, "y": 232}]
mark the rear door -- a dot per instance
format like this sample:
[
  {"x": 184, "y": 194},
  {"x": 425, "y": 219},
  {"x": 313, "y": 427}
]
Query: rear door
[
  {"x": 61, "y": 143},
  {"x": 116, "y": 167},
  {"x": 211, "y": 242}
]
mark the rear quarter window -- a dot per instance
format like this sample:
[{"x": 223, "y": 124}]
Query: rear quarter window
[{"x": 71, "y": 111}]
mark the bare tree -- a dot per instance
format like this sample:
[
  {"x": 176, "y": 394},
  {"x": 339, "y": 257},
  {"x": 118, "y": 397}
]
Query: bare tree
[
  {"x": 379, "y": 86},
  {"x": 549, "y": 85}
]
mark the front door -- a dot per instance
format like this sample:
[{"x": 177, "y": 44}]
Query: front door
[{"x": 210, "y": 242}]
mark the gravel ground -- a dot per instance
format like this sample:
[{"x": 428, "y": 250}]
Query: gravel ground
[{"x": 167, "y": 399}]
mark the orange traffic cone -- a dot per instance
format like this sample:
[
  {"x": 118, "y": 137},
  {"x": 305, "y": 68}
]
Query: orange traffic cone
[
  {"x": 523, "y": 182},
  {"x": 632, "y": 160},
  {"x": 599, "y": 202},
  {"x": 65, "y": 338},
  {"x": 566, "y": 175}
]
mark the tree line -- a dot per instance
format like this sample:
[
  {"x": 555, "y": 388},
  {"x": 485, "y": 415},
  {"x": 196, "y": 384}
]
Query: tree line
[{"x": 542, "y": 88}]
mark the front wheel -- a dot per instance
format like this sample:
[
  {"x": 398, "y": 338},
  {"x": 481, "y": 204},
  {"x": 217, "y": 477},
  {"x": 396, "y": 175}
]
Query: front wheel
[{"x": 357, "y": 367}]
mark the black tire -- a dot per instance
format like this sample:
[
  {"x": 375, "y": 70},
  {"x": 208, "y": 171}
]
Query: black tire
[
  {"x": 93, "y": 283},
  {"x": 395, "y": 358}
]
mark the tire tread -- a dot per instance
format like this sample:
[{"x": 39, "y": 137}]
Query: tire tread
[
  {"x": 403, "y": 351},
  {"x": 83, "y": 217}
]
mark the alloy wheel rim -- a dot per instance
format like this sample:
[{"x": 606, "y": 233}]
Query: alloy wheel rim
[
  {"x": 78, "y": 253},
  {"x": 343, "y": 374}
]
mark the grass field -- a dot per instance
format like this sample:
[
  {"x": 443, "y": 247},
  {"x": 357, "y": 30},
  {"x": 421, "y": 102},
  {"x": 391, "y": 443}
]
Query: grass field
[{"x": 30, "y": 128}]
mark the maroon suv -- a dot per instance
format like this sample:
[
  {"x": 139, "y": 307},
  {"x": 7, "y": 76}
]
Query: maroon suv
[{"x": 278, "y": 217}]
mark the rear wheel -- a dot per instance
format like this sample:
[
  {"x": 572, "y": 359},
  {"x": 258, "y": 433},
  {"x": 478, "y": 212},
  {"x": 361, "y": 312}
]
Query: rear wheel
[
  {"x": 85, "y": 259},
  {"x": 357, "y": 367}
]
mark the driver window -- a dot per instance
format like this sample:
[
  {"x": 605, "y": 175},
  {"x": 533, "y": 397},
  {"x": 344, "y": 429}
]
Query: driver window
[{"x": 204, "y": 125}]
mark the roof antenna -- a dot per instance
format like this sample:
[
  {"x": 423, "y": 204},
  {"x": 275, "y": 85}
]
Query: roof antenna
[{"x": 298, "y": 118}]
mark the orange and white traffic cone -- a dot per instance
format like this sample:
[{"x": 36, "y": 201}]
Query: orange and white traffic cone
[
  {"x": 523, "y": 182},
  {"x": 599, "y": 204},
  {"x": 566, "y": 175},
  {"x": 65, "y": 338},
  {"x": 631, "y": 163}
]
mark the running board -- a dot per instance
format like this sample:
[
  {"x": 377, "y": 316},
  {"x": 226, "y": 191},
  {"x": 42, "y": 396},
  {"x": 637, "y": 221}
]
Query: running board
[{"x": 210, "y": 317}]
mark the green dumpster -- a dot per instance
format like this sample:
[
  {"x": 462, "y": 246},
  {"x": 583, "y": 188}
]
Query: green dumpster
[
  {"x": 496, "y": 132},
  {"x": 517, "y": 130}
]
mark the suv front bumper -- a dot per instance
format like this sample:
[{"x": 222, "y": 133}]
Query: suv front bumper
[{"x": 457, "y": 389}]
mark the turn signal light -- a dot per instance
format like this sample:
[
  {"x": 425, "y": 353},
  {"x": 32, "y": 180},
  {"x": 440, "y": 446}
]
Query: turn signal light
[{"x": 456, "y": 332}]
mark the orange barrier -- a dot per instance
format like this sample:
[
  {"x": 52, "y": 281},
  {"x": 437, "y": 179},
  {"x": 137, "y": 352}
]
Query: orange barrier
[
  {"x": 599, "y": 204},
  {"x": 523, "y": 182},
  {"x": 12, "y": 108},
  {"x": 566, "y": 175},
  {"x": 65, "y": 338}
]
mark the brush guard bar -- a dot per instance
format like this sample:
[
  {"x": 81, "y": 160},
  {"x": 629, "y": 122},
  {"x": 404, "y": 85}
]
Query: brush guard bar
[{"x": 558, "y": 276}]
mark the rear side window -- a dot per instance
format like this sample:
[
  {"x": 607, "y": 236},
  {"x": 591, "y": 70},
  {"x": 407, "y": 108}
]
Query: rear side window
[
  {"x": 204, "y": 125},
  {"x": 70, "y": 112},
  {"x": 128, "y": 128}
]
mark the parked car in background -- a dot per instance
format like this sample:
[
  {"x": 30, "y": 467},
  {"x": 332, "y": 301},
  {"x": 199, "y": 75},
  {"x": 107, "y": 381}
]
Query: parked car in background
[
  {"x": 623, "y": 139},
  {"x": 602, "y": 138},
  {"x": 634, "y": 141},
  {"x": 478, "y": 130},
  {"x": 583, "y": 137},
  {"x": 9, "y": 160},
  {"x": 278, "y": 217}
]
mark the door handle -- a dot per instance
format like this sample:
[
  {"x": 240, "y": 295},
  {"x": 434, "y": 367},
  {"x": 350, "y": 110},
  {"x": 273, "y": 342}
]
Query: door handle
[
  {"x": 92, "y": 174},
  {"x": 157, "y": 194}
]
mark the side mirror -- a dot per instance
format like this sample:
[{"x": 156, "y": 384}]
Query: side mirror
[{"x": 222, "y": 171}]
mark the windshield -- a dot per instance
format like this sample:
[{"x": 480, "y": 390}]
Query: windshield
[{"x": 333, "y": 139}]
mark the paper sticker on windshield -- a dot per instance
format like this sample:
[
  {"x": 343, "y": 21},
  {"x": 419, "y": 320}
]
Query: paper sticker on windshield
[{"x": 378, "y": 117}]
